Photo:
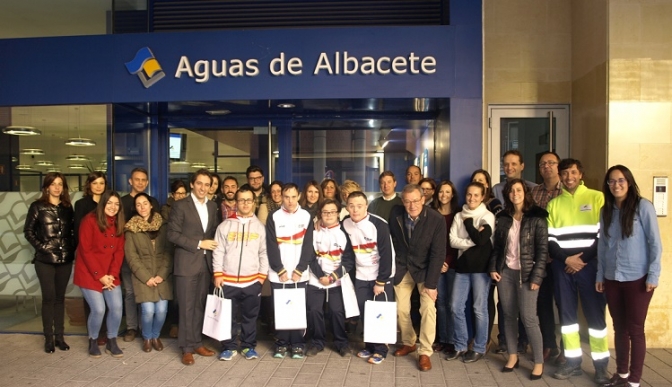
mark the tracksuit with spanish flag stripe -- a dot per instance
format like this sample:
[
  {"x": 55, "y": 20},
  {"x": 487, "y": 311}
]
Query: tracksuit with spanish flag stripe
[
  {"x": 240, "y": 258},
  {"x": 289, "y": 242},
  {"x": 573, "y": 226}
]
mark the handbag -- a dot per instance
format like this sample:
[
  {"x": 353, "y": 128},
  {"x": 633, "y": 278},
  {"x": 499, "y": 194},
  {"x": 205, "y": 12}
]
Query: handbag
[
  {"x": 217, "y": 318},
  {"x": 349, "y": 297},
  {"x": 290, "y": 308},
  {"x": 380, "y": 321}
]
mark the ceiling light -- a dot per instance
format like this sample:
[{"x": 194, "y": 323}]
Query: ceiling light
[
  {"x": 76, "y": 166},
  {"x": 286, "y": 105},
  {"x": 23, "y": 167},
  {"x": 15, "y": 160},
  {"x": 78, "y": 158},
  {"x": 221, "y": 112},
  {"x": 21, "y": 131},
  {"x": 44, "y": 163},
  {"x": 101, "y": 168},
  {"x": 32, "y": 151},
  {"x": 179, "y": 163},
  {"x": 198, "y": 165},
  {"x": 385, "y": 144},
  {"x": 79, "y": 141},
  {"x": 55, "y": 168}
]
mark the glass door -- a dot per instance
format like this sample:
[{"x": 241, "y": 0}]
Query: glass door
[{"x": 531, "y": 129}]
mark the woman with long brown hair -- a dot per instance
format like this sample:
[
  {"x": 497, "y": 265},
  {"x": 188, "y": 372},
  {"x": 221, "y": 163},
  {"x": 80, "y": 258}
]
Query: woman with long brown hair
[{"x": 49, "y": 229}]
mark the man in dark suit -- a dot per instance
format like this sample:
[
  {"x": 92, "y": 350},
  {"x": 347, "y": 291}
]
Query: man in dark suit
[
  {"x": 419, "y": 237},
  {"x": 192, "y": 226}
]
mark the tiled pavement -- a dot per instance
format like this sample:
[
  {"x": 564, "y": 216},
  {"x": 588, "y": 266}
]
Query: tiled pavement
[{"x": 23, "y": 363}]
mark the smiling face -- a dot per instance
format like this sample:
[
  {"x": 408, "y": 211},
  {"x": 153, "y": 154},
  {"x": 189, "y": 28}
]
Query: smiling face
[
  {"x": 256, "y": 180},
  {"x": 474, "y": 197},
  {"x": 329, "y": 215},
  {"x": 618, "y": 185},
  {"x": 290, "y": 199},
  {"x": 138, "y": 182},
  {"x": 229, "y": 188},
  {"x": 98, "y": 186},
  {"x": 112, "y": 206},
  {"x": 245, "y": 204},
  {"x": 480, "y": 178},
  {"x": 513, "y": 167},
  {"x": 312, "y": 195},
  {"x": 445, "y": 194},
  {"x": 329, "y": 190},
  {"x": 413, "y": 202},
  {"x": 143, "y": 207},
  {"x": 201, "y": 186},
  {"x": 387, "y": 185},
  {"x": 517, "y": 195},
  {"x": 357, "y": 208},
  {"x": 571, "y": 178},
  {"x": 55, "y": 189},
  {"x": 276, "y": 193}
]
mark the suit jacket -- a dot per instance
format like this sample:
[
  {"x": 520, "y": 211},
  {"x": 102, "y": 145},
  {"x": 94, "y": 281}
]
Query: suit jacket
[
  {"x": 185, "y": 231},
  {"x": 424, "y": 253}
]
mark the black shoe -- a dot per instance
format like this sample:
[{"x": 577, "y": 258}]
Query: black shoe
[
  {"x": 507, "y": 369},
  {"x": 472, "y": 357},
  {"x": 94, "y": 351},
  {"x": 452, "y": 355},
  {"x": 616, "y": 381},
  {"x": 345, "y": 351},
  {"x": 113, "y": 349},
  {"x": 501, "y": 348},
  {"x": 601, "y": 376},
  {"x": 566, "y": 371},
  {"x": 49, "y": 344},
  {"x": 537, "y": 377},
  {"x": 62, "y": 345},
  {"x": 313, "y": 351},
  {"x": 130, "y": 335}
]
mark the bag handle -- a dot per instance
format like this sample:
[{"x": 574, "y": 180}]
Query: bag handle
[
  {"x": 385, "y": 293},
  {"x": 219, "y": 292},
  {"x": 296, "y": 285}
]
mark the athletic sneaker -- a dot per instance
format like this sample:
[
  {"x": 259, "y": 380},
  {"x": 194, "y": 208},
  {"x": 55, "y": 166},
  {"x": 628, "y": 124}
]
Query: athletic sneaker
[
  {"x": 250, "y": 354},
  {"x": 280, "y": 352},
  {"x": 227, "y": 355},
  {"x": 297, "y": 353},
  {"x": 376, "y": 359},
  {"x": 364, "y": 354}
]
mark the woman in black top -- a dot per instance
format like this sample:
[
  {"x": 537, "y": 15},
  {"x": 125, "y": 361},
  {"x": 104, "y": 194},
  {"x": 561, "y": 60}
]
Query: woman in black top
[
  {"x": 49, "y": 229},
  {"x": 95, "y": 185}
]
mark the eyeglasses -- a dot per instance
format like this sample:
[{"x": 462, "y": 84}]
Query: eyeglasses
[
  {"x": 409, "y": 202},
  {"x": 180, "y": 193},
  {"x": 329, "y": 213},
  {"x": 255, "y": 178},
  {"x": 548, "y": 164},
  {"x": 245, "y": 201},
  {"x": 427, "y": 189},
  {"x": 613, "y": 182}
]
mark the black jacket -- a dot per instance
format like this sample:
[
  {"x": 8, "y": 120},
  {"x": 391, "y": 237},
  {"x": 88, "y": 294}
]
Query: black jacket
[
  {"x": 475, "y": 259},
  {"x": 533, "y": 244},
  {"x": 423, "y": 254},
  {"x": 50, "y": 230}
]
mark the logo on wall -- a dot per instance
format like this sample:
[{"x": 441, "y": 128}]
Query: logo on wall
[{"x": 146, "y": 67}]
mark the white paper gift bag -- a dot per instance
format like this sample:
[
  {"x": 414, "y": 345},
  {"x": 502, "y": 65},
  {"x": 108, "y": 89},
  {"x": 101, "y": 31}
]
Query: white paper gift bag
[
  {"x": 349, "y": 297},
  {"x": 380, "y": 321},
  {"x": 290, "y": 308},
  {"x": 217, "y": 319}
]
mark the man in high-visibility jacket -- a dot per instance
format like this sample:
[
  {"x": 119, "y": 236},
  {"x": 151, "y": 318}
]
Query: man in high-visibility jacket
[{"x": 573, "y": 225}]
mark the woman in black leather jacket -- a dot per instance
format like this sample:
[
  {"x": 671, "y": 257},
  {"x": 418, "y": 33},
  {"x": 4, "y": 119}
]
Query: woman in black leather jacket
[
  {"x": 49, "y": 229},
  {"x": 518, "y": 265}
]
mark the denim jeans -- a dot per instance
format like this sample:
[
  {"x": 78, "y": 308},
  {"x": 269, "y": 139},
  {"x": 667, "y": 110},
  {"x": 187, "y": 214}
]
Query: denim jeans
[
  {"x": 97, "y": 301},
  {"x": 479, "y": 285},
  {"x": 444, "y": 318},
  {"x": 152, "y": 318}
]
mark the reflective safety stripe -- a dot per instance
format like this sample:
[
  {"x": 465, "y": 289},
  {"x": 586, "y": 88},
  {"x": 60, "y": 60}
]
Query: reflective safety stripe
[
  {"x": 573, "y": 244},
  {"x": 573, "y": 353},
  {"x": 569, "y": 328},
  {"x": 598, "y": 334},
  {"x": 599, "y": 355}
]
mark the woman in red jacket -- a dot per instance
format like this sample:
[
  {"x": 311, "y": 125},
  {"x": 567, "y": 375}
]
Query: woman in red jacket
[{"x": 99, "y": 257}]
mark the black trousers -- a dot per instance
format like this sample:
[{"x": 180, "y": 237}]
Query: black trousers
[
  {"x": 364, "y": 292},
  {"x": 247, "y": 300},
  {"x": 191, "y": 294},
  {"x": 294, "y": 338},
  {"x": 315, "y": 299},
  {"x": 53, "y": 280},
  {"x": 545, "y": 310}
]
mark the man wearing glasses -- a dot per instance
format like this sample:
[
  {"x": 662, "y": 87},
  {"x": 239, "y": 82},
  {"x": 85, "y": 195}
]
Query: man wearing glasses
[
  {"x": 419, "y": 238},
  {"x": 542, "y": 194},
  {"x": 240, "y": 267},
  {"x": 255, "y": 178},
  {"x": 573, "y": 227}
]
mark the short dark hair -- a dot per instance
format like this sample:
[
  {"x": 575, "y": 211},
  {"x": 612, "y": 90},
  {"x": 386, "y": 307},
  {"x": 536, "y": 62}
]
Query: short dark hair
[
  {"x": 514, "y": 152},
  {"x": 428, "y": 180},
  {"x": 557, "y": 157},
  {"x": 288, "y": 186},
  {"x": 568, "y": 163},
  {"x": 324, "y": 203},
  {"x": 93, "y": 176},
  {"x": 139, "y": 169},
  {"x": 215, "y": 176},
  {"x": 414, "y": 166},
  {"x": 253, "y": 168},
  {"x": 201, "y": 172},
  {"x": 387, "y": 173},
  {"x": 177, "y": 184},
  {"x": 358, "y": 194},
  {"x": 246, "y": 188},
  {"x": 230, "y": 178},
  {"x": 528, "y": 201},
  {"x": 477, "y": 185}
]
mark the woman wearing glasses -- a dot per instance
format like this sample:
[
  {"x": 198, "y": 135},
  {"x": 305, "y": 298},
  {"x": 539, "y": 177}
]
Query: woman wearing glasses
[
  {"x": 628, "y": 255},
  {"x": 333, "y": 259},
  {"x": 471, "y": 233}
]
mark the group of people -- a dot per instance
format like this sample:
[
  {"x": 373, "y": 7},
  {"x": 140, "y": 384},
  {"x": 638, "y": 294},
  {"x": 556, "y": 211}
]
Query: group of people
[{"x": 556, "y": 240}]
